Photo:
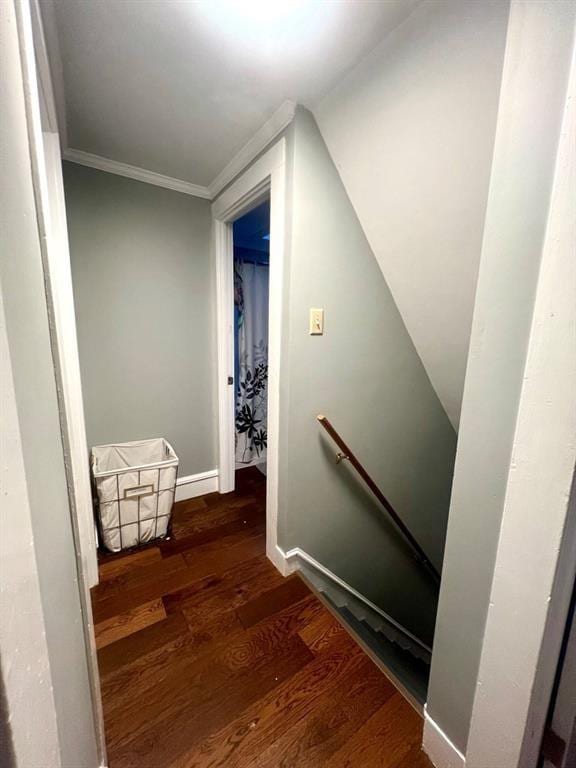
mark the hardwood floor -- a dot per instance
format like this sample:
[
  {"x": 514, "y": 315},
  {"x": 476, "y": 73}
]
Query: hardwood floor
[{"x": 208, "y": 657}]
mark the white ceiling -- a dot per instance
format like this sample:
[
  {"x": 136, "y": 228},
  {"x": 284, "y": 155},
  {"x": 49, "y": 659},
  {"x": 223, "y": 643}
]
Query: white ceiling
[{"x": 178, "y": 87}]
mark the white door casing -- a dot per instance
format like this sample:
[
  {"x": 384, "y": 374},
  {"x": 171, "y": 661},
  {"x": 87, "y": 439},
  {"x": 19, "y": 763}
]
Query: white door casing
[{"x": 267, "y": 176}]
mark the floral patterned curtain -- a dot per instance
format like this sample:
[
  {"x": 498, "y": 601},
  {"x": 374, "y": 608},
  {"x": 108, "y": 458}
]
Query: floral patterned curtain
[{"x": 251, "y": 299}]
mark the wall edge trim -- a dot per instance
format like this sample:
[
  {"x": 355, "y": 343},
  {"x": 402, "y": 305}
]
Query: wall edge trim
[
  {"x": 292, "y": 556},
  {"x": 438, "y": 746},
  {"x": 134, "y": 172},
  {"x": 259, "y": 141},
  {"x": 191, "y": 486}
]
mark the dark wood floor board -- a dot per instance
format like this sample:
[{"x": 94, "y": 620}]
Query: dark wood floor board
[
  {"x": 227, "y": 556},
  {"x": 214, "y": 653},
  {"x": 178, "y": 579},
  {"x": 320, "y": 633},
  {"x": 138, "y": 680},
  {"x": 212, "y": 659},
  {"x": 250, "y": 478},
  {"x": 111, "y": 566},
  {"x": 189, "y": 507},
  {"x": 313, "y": 740},
  {"x": 229, "y": 590},
  {"x": 123, "y": 624},
  {"x": 148, "y": 573},
  {"x": 269, "y": 636},
  {"x": 238, "y": 508},
  {"x": 384, "y": 740},
  {"x": 290, "y": 591},
  {"x": 415, "y": 758},
  {"x": 163, "y": 742},
  {"x": 197, "y": 549},
  {"x": 253, "y": 518},
  {"x": 234, "y": 499},
  {"x": 198, "y": 671},
  {"x": 139, "y": 645},
  {"x": 241, "y": 740}
]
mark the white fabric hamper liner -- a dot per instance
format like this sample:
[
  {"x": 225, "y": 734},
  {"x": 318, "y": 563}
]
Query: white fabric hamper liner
[{"x": 135, "y": 483}]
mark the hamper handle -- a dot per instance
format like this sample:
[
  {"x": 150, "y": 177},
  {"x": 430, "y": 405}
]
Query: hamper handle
[{"x": 139, "y": 490}]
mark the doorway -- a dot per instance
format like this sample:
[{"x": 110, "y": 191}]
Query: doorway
[
  {"x": 251, "y": 242},
  {"x": 262, "y": 184}
]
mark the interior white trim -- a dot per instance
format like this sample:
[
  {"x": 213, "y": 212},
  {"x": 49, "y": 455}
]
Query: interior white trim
[
  {"x": 223, "y": 248},
  {"x": 133, "y": 172},
  {"x": 191, "y": 486},
  {"x": 279, "y": 120},
  {"x": 535, "y": 561},
  {"x": 49, "y": 63},
  {"x": 271, "y": 128},
  {"x": 57, "y": 254},
  {"x": 45, "y": 86},
  {"x": 267, "y": 176},
  {"x": 293, "y": 555},
  {"x": 52, "y": 231},
  {"x": 438, "y": 746}
]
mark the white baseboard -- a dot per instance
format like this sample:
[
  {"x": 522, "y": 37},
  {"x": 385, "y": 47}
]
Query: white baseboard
[
  {"x": 190, "y": 486},
  {"x": 438, "y": 746},
  {"x": 291, "y": 562},
  {"x": 277, "y": 557}
]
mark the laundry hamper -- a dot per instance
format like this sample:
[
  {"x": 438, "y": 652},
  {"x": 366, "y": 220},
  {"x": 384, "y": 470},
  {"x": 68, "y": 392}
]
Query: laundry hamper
[{"x": 135, "y": 485}]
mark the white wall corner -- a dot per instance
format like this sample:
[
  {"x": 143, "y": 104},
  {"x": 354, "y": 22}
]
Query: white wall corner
[
  {"x": 438, "y": 746},
  {"x": 191, "y": 486},
  {"x": 283, "y": 562},
  {"x": 133, "y": 172}
]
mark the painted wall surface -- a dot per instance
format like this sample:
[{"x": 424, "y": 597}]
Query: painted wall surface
[
  {"x": 44, "y": 663},
  {"x": 486, "y": 476},
  {"x": 411, "y": 130},
  {"x": 142, "y": 275},
  {"x": 366, "y": 377}
]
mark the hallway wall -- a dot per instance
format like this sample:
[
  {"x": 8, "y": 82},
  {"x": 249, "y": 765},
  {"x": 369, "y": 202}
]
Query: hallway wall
[
  {"x": 365, "y": 375},
  {"x": 142, "y": 277}
]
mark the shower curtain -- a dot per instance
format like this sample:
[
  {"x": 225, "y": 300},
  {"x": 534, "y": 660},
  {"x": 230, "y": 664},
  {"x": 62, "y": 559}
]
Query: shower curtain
[{"x": 251, "y": 310}]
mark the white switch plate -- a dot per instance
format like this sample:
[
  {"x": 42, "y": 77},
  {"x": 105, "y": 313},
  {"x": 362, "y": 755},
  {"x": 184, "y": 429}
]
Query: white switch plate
[{"x": 316, "y": 322}]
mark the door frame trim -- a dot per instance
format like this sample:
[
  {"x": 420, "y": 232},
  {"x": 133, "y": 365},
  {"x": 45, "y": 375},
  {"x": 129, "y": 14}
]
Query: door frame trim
[
  {"x": 46, "y": 168},
  {"x": 266, "y": 177}
]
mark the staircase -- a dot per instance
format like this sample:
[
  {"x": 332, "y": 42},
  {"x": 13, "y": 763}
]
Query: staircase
[{"x": 400, "y": 655}]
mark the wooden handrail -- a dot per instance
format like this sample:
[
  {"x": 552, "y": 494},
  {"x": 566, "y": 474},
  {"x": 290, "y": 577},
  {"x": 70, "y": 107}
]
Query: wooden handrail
[{"x": 348, "y": 455}]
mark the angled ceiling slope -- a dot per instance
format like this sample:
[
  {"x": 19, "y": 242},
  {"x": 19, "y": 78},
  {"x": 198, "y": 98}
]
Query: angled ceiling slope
[{"x": 184, "y": 94}]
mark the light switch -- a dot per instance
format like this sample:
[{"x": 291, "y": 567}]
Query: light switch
[{"x": 316, "y": 322}]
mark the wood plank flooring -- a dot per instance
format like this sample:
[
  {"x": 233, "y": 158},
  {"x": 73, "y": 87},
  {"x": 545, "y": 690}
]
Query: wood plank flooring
[{"x": 208, "y": 657}]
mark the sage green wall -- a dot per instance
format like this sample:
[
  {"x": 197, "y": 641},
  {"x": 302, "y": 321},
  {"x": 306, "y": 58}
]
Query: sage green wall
[
  {"x": 142, "y": 277},
  {"x": 366, "y": 377}
]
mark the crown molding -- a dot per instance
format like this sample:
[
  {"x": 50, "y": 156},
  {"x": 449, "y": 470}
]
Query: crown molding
[
  {"x": 271, "y": 128},
  {"x": 49, "y": 67},
  {"x": 133, "y": 172}
]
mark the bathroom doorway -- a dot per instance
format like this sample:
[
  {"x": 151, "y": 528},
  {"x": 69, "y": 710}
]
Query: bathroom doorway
[
  {"x": 251, "y": 243},
  {"x": 260, "y": 189}
]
